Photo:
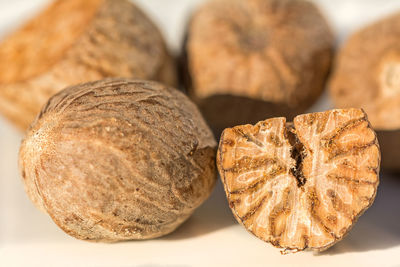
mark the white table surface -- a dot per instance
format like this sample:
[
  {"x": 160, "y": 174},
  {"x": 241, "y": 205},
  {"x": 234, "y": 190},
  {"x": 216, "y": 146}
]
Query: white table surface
[{"x": 211, "y": 237}]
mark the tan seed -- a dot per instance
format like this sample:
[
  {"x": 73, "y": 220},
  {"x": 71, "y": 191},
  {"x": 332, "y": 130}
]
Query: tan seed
[
  {"x": 251, "y": 59},
  {"x": 118, "y": 159},
  {"x": 77, "y": 41}
]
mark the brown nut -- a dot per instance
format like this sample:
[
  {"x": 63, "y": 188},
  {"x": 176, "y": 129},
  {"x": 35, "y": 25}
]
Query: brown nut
[
  {"x": 301, "y": 185},
  {"x": 118, "y": 159},
  {"x": 251, "y": 59},
  {"x": 77, "y": 41},
  {"x": 367, "y": 75}
]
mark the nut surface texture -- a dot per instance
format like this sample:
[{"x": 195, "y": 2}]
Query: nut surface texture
[
  {"x": 301, "y": 185},
  {"x": 272, "y": 52},
  {"x": 77, "y": 41},
  {"x": 118, "y": 159}
]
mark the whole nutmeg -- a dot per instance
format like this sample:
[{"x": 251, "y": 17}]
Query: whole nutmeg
[
  {"x": 78, "y": 41},
  {"x": 251, "y": 59},
  {"x": 118, "y": 159},
  {"x": 367, "y": 75}
]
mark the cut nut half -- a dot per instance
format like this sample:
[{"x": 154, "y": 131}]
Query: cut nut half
[{"x": 301, "y": 185}]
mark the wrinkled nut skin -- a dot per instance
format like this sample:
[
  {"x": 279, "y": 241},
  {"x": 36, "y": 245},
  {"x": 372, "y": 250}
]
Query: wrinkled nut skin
[
  {"x": 367, "y": 75},
  {"x": 118, "y": 159},
  {"x": 245, "y": 49},
  {"x": 78, "y": 41},
  {"x": 301, "y": 185}
]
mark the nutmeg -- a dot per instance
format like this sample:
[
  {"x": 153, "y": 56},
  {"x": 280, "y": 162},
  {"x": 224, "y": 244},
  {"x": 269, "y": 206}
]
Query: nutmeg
[
  {"x": 247, "y": 60},
  {"x": 118, "y": 159},
  {"x": 78, "y": 41},
  {"x": 301, "y": 185}
]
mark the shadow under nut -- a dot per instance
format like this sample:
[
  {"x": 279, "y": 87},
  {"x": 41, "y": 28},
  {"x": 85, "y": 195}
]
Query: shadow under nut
[
  {"x": 73, "y": 42},
  {"x": 118, "y": 160}
]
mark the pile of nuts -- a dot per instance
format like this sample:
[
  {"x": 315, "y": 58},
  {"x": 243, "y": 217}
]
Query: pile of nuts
[{"x": 119, "y": 154}]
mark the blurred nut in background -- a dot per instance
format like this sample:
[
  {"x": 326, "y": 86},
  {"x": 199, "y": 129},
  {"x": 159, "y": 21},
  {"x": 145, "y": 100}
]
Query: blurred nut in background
[
  {"x": 76, "y": 41},
  {"x": 118, "y": 159},
  {"x": 247, "y": 60},
  {"x": 367, "y": 75}
]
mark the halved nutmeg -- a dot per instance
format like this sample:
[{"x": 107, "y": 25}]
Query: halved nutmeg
[{"x": 301, "y": 185}]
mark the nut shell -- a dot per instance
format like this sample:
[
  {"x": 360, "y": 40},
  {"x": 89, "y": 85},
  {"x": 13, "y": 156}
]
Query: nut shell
[
  {"x": 118, "y": 159},
  {"x": 77, "y": 41}
]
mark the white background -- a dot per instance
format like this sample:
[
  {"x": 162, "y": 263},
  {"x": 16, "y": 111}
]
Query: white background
[{"x": 211, "y": 237}]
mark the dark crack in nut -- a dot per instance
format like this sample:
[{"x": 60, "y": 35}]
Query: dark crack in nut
[
  {"x": 118, "y": 159},
  {"x": 78, "y": 41},
  {"x": 301, "y": 185},
  {"x": 251, "y": 59}
]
